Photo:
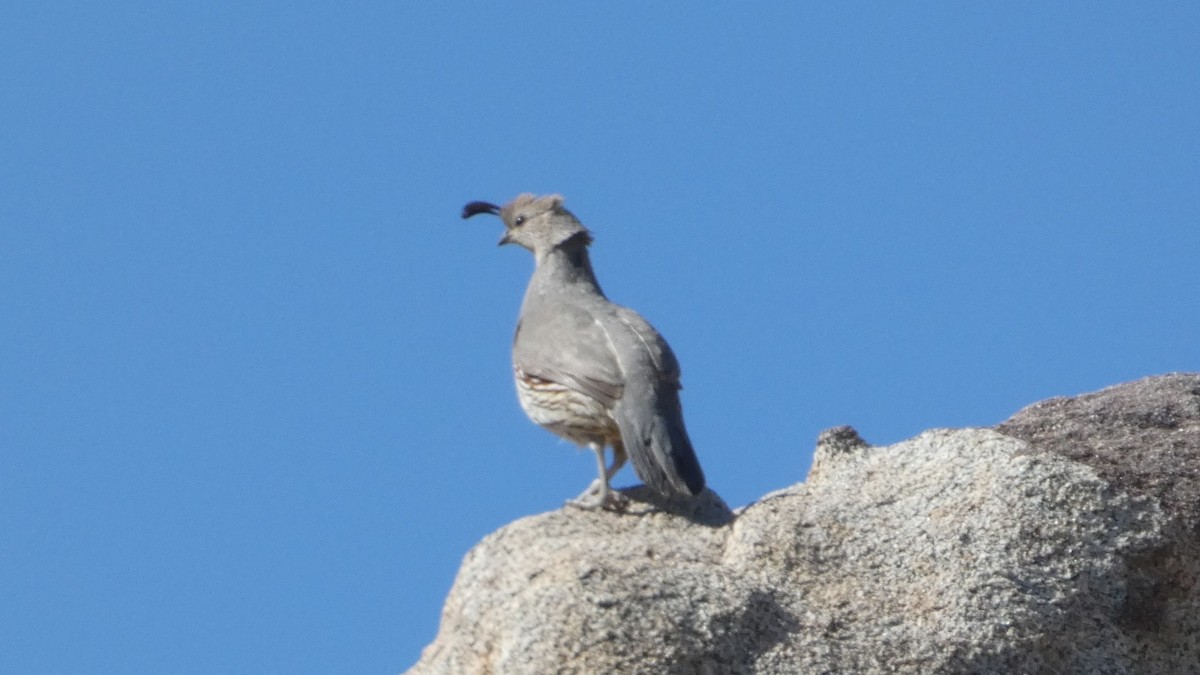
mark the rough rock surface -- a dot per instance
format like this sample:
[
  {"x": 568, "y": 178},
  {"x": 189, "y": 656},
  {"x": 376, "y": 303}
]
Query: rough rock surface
[{"x": 1065, "y": 540}]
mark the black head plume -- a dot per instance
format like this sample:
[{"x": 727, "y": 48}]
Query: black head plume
[{"x": 476, "y": 208}]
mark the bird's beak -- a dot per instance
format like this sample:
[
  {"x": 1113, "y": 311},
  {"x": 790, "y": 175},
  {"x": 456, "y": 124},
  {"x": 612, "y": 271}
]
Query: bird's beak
[{"x": 505, "y": 239}]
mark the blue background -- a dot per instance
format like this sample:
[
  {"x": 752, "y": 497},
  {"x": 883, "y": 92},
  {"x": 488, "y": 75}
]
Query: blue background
[{"x": 255, "y": 392}]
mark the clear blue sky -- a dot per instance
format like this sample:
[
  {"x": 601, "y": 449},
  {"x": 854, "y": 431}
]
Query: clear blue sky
[{"x": 255, "y": 394}]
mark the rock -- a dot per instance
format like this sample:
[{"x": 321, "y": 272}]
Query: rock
[
  {"x": 1144, "y": 439},
  {"x": 1055, "y": 543}
]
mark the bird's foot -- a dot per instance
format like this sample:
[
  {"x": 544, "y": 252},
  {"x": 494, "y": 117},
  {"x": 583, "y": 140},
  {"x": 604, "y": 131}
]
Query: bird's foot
[{"x": 599, "y": 496}]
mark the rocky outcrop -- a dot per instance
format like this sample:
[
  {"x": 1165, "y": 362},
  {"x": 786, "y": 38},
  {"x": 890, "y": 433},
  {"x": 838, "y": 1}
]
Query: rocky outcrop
[{"x": 1064, "y": 540}]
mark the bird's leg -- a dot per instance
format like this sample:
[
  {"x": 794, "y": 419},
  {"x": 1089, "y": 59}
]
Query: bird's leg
[
  {"x": 599, "y": 494},
  {"x": 619, "y": 458}
]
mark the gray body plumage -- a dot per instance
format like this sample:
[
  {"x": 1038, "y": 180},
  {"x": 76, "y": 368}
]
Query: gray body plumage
[{"x": 591, "y": 371}]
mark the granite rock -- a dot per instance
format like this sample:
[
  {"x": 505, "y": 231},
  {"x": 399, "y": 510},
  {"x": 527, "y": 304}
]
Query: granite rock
[{"x": 1063, "y": 540}]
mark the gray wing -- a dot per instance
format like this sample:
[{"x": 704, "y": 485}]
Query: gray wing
[
  {"x": 652, "y": 345},
  {"x": 649, "y": 413},
  {"x": 569, "y": 346}
]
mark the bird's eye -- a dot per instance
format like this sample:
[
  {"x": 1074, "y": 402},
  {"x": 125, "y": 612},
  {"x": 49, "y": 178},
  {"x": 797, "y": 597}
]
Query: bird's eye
[{"x": 518, "y": 221}]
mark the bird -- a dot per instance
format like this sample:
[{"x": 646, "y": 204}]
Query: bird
[{"x": 591, "y": 371}]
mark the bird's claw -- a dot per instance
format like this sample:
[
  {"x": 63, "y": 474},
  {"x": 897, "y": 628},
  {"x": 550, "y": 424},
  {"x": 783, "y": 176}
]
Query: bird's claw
[{"x": 598, "y": 497}]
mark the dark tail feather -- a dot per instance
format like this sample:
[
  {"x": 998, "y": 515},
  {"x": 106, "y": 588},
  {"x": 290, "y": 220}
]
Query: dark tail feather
[
  {"x": 657, "y": 443},
  {"x": 685, "y": 467}
]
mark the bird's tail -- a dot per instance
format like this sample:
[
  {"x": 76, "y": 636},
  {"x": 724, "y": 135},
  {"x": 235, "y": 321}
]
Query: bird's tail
[{"x": 656, "y": 440}]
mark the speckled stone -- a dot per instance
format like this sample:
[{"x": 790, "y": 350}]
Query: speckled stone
[{"x": 1064, "y": 541}]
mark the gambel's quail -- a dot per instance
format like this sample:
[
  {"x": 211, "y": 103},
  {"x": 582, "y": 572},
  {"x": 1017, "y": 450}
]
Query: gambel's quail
[{"x": 591, "y": 371}]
